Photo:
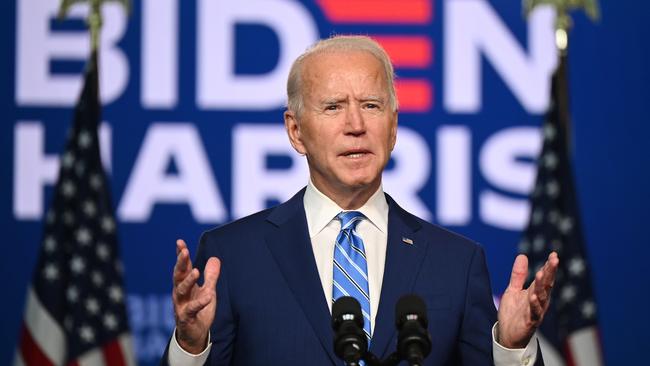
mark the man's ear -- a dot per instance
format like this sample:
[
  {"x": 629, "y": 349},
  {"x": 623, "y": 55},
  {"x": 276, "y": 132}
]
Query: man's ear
[{"x": 293, "y": 131}]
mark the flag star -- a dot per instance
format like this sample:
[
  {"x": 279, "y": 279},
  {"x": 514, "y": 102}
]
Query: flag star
[
  {"x": 95, "y": 181},
  {"x": 80, "y": 168},
  {"x": 67, "y": 322},
  {"x": 51, "y": 272},
  {"x": 568, "y": 293},
  {"x": 85, "y": 139},
  {"x": 110, "y": 321},
  {"x": 538, "y": 243},
  {"x": 83, "y": 235},
  {"x": 549, "y": 132},
  {"x": 97, "y": 278},
  {"x": 556, "y": 245},
  {"x": 115, "y": 293},
  {"x": 538, "y": 216},
  {"x": 67, "y": 160},
  {"x": 576, "y": 266},
  {"x": 51, "y": 216},
  {"x": 92, "y": 305},
  {"x": 588, "y": 309},
  {"x": 49, "y": 244},
  {"x": 552, "y": 188},
  {"x": 566, "y": 224},
  {"x": 72, "y": 294},
  {"x": 87, "y": 333},
  {"x": 524, "y": 245},
  {"x": 77, "y": 265},
  {"x": 553, "y": 216},
  {"x": 68, "y": 218},
  {"x": 68, "y": 188},
  {"x": 108, "y": 225},
  {"x": 550, "y": 160},
  {"x": 537, "y": 190},
  {"x": 89, "y": 208},
  {"x": 102, "y": 251}
]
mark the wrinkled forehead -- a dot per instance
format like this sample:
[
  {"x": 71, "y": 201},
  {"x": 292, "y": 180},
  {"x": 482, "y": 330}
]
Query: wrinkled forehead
[{"x": 325, "y": 67}]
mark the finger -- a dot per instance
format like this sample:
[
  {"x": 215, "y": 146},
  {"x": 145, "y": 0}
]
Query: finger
[
  {"x": 183, "y": 266},
  {"x": 194, "y": 306},
  {"x": 536, "y": 308},
  {"x": 540, "y": 288},
  {"x": 184, "y": 288},
  {"x": 545, "y": 277},
  {"x": 211, "y": 272},
  {"x": 519, "y": 272},
  {"x": 180, "y": 244}
]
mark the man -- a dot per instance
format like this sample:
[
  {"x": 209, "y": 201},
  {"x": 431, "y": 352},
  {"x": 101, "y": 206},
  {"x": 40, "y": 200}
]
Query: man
[{"x": 276, "y": 272}]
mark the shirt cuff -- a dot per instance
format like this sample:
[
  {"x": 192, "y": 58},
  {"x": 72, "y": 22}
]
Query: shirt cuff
[
  {"x": 177, "y": 356},
  {"x": 513, "y": 357}
]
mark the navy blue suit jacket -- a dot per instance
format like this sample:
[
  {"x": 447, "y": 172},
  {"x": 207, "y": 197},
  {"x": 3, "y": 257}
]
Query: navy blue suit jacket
[{"x": 271, "y": 309}]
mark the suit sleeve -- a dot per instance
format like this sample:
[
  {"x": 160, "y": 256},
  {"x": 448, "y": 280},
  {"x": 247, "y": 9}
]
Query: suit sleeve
[
  {"x": 223, "y": 330},
  {"x": 479, "y": 314}
]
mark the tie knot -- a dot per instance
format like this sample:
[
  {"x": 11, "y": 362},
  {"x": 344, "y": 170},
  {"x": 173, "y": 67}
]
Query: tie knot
[{"x": 350, "y": 219}]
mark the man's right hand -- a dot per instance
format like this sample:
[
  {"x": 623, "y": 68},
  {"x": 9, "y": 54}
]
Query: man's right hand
[{"x": 194, "y": 305}]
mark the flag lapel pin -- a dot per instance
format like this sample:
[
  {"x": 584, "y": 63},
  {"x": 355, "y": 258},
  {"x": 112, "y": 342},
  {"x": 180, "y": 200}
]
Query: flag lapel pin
[{"x": 407, "y": 240}]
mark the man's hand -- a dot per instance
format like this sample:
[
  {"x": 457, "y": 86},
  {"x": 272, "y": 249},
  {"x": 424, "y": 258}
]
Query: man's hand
[
  {"x": 522, "y": 310},
  {"x": 194, "y": 305}
]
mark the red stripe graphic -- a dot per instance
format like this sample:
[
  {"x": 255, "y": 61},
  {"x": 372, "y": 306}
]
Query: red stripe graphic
[
  {"x": 408, "y": 51},
  {"x": 30, "y": 351},
  {"x": 378, "y": 11},
  {"x": 414, "y": 95},
  {"x": 113, "y": 353}
]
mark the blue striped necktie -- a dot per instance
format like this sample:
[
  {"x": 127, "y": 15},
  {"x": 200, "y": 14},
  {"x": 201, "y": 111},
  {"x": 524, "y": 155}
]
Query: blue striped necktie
[{"x": 350, "y": 266}]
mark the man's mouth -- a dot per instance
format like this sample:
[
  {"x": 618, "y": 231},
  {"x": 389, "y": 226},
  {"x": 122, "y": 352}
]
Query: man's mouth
[{"x": 355, "y": 154}]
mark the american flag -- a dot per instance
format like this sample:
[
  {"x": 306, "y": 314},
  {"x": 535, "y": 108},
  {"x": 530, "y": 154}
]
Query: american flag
[
  {"x": 75, "y": 312},
  {"x": 569, "y": 333}
]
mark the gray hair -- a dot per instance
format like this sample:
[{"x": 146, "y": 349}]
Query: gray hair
[{"x": 295, "y": 101}]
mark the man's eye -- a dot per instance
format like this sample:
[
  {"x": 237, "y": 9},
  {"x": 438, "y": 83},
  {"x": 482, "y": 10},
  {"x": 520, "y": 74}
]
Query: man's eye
[
  {"x": 332, "y": 107},
  {"x": 372, "y": 106}
]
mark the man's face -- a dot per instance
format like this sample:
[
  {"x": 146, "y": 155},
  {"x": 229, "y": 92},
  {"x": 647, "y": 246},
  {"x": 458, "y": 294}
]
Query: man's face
[{"x": 347, "y": 128}]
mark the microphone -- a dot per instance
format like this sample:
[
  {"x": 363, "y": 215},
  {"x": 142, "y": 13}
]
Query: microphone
[
  {"x": 413, "y": 339},
  {"x": 350, "y": 342}
]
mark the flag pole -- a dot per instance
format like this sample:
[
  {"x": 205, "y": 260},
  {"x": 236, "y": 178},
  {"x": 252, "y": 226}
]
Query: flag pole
[
  {"x": 94, "y": 19},
  {"x": 563, "y": 24}
]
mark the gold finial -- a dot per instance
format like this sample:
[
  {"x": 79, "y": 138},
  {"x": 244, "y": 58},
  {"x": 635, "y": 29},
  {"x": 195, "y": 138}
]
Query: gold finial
[
  {"x": 563, "y": 20},
  {"x": 94, "y": 20}
]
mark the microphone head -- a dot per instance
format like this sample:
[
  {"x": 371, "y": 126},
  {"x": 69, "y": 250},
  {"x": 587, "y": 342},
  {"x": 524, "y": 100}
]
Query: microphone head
[
  {"x": 410, "y": 307},
  {"x": 346, "y": 308}
]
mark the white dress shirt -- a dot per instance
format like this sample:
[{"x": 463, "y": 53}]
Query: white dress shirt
[{"x": 323, "y": 228}]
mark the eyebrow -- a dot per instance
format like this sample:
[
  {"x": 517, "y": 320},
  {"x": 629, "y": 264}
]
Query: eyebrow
[
  {"x": 336, "y": 100},
  {"x": 372, "y": 98}
]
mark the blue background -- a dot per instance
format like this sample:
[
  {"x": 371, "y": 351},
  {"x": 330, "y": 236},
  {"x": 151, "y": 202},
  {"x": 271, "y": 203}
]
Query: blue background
[{"x": 609, "y": 77}]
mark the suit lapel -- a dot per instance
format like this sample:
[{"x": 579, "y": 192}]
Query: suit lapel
[
  {"x": 291, "y": 248},
  {"x": 404, "y": 253}
]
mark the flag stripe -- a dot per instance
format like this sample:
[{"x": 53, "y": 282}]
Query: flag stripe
[
  {"x": 46, "y": 332},
  {"x": 113, "y": 353},
  {"x": 584, "y": 347},
  {"x": 126, "y": 345},
  {"x": 31, "y": 353},
  {"x": 18, "y": 360},
  {"x": 94, "y": 357},
  {"x": 552, "y": 357}
]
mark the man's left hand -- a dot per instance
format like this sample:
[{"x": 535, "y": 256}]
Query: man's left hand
[{"x": 522, "y": 310}]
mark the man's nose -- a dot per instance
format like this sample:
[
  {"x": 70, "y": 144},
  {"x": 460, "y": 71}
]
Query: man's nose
[{"x": 355, "y": 124}]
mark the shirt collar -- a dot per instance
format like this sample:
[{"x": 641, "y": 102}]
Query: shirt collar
[{"x": 320, "y": 209}]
